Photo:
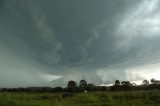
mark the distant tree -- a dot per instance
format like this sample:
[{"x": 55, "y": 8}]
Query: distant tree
[
  {"x": 133, "y": 84},
  {"x": 153, "y": 81},
  {"x": 158, "y": 82},
  {"x": 116, "y": 86},
  {"x": 72, "y": 86},
  {"x": 145, "y": 82},
  {"x": 155, "y": 84},
  {"x": 103, "y": 88},
  {"x": 83, "y": 85},
  {"x": 58, "y": 89},
  {"x": 117, "y": 82},
  {"x": 126, "y": 83},
  {"x": 90, "y": 87}
]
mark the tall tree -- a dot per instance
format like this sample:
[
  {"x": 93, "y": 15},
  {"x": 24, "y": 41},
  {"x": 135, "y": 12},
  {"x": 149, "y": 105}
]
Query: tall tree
[
  {"x": 145, "y": 82},
  {"x": 126, "y": 83},
  {"x": 117, "y": 82},
  {"x": 83, "y": 84},
  {"x": 153, "y": 81},
  {"x": 90, "y": 87},
  {"x": 72, "y": 85}
]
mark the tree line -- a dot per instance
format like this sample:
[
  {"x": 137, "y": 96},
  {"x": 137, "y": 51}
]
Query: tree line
[{"x": 83, "y": 86}]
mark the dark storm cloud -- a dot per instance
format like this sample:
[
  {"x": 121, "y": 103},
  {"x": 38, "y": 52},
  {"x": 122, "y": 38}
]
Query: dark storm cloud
[
  {"x": 73, "y": 39},
  {"x": 79, "y": 25}
]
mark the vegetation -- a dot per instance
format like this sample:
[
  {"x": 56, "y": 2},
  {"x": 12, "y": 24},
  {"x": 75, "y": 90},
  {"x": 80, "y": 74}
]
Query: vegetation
[
  {"x": 120, "y": 94},
  {"x": 135, "y": 98},
  {"x": 73, "y": 87}
]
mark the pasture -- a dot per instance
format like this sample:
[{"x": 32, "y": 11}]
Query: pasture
[{"x": 130, "y": 98}]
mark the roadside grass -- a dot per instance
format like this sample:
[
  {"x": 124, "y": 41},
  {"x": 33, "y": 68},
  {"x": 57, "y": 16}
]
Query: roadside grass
[{"x": 130, "y": 98}]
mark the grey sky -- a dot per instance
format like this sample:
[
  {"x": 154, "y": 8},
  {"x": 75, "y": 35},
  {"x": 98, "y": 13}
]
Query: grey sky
[{"x": 48, "y": 42}]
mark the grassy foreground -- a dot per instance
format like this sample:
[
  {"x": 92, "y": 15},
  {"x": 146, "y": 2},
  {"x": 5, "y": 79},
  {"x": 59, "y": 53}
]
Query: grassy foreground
[{"x": 131, "y": 98}]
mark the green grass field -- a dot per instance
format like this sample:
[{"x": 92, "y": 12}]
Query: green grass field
[{"x": 135, "y": 98}]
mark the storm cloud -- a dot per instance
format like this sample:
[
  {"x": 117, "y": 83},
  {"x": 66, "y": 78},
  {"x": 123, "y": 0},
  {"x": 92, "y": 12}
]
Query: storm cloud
[{"x": 47, "y": 43}]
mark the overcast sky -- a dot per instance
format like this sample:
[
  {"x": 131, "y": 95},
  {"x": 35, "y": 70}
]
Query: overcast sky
[{"x": 48, "y": 42}]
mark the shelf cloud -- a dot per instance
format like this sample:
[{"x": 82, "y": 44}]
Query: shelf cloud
[{"x": 47, "y": 43}]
